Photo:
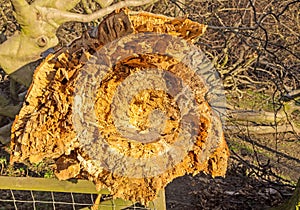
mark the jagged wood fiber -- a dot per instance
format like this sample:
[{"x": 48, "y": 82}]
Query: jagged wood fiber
[{"x": 43, "y": 129}]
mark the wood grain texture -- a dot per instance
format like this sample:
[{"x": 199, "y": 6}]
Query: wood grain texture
[{"x": 45, "y": 128}]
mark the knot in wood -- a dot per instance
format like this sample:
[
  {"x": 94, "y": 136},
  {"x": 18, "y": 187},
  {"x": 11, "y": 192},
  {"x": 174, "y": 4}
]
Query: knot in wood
[{"x": 42, "y": 41}]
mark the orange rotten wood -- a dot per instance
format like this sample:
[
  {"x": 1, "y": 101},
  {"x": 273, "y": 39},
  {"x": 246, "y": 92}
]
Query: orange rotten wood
[{"x": 44, "y": 128}]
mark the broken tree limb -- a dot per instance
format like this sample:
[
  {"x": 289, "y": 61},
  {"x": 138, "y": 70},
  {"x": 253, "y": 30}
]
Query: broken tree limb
[
  {"x": 265, "y": 129},
  {"x": 21, "y": 49},
  {"x": 286, "y": 119},
  {"x": 159, "y": 119},
  {"x": 259, "y": 117},
  {"x": 262, "y": 122},
  {"x": 38, "y": 30}
]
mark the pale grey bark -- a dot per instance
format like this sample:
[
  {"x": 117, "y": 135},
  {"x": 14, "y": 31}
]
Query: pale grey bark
[{"x": 39, "y": 22}]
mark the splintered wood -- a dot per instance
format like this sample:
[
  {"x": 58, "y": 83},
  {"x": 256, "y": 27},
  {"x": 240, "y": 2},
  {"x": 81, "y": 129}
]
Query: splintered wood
[{"x": 44, "y": 128}]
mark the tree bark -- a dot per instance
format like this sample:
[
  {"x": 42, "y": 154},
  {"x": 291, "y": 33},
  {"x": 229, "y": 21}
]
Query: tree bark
[
  {"x": 38, "y": 30},
  {"x": 46, "y": 127}
]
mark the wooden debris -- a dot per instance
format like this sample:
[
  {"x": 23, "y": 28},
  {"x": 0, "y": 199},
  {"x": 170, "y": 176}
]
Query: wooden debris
[
  {"x": 67, "y": 168},
  {"x": 44, "y": 127}
]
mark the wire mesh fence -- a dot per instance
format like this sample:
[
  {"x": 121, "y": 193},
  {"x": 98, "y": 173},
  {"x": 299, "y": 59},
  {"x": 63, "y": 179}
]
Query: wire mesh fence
[
  {"x": 14, "y": 199},
  {"x": 11, "y": 199},
  {"x": 47, "y": 193}
]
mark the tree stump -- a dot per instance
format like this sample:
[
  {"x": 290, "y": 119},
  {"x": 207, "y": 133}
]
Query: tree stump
[{"x": 124, "y": 109}]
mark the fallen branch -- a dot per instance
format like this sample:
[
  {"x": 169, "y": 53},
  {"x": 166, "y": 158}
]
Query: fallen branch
[
  {"x": 38, "y": 30},
  {"x": 259, "y": 117},
  {"x": 268, "y": 122},
  {"x": 265, "y": 129}
]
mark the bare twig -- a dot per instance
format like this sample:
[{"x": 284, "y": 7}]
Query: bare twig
[{"x": 64, "y": 16}]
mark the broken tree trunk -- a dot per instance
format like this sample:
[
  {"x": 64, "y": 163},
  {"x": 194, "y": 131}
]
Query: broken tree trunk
[{"x": 140, "y": 141}]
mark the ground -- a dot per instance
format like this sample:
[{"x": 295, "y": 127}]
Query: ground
[{"x": 263, "y": 168}]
